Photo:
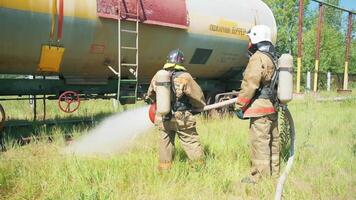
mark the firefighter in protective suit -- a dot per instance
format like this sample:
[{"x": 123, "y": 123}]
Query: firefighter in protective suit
[
  {"x": 256, "y": 101},
  {"x": 186, "y": 96}
]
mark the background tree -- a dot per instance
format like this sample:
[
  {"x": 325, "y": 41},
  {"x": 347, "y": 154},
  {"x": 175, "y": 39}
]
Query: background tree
[
  {"x": 332, "y": 52},
  {"x": 286, "y": 15}
]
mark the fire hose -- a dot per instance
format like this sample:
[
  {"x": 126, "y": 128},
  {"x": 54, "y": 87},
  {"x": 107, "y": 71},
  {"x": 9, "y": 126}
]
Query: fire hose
[
  {"x": 283, "y": 177},
  {"x": 288, "y": 117}
]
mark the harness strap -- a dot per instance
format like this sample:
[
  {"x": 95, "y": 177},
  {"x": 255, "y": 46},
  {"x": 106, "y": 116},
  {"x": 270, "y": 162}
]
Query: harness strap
[
  {"x": 181, "y": 104},
  {"x": 269, "y": 91},
  {"x": 286, "y": 69}
]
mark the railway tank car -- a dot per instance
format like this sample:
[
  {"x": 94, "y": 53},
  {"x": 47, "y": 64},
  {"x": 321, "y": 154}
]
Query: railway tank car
[{"x": 211, "y": 33}]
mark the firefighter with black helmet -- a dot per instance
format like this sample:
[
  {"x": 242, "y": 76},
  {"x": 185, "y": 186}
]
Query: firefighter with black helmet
[
  {"x": 176, "y": 94},
  {"x": 256, "y": 101}
]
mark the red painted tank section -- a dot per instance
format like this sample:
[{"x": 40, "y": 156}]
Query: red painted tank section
[{"x": 172, "y": 13}]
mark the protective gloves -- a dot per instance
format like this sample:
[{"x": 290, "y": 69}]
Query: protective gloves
[
  {"x": 147, "y": 99},
  {"x": 240, "y": 114}
]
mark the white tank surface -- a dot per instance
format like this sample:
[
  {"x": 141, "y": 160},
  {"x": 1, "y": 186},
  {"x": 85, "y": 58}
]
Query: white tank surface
[
  {"x": 211, "y": 33},
  {"x": 285, "y": 83},
  {"x": 163, "y": 92}
]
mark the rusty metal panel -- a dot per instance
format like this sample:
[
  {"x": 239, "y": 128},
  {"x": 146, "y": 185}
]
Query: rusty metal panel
[{"x": 171, "y": 13}]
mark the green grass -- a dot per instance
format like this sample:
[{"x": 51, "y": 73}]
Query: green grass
[{"x": 324, "y": 166}]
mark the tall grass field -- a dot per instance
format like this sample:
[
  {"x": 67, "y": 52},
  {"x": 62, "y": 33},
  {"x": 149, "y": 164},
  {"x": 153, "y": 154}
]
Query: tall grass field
[{"x": 324, "y": 167}]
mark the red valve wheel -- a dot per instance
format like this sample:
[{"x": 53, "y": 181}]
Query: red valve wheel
[{"x": 69, "y": 101}]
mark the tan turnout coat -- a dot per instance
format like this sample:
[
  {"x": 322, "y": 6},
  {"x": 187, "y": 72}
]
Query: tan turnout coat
[
  {"x": 258, "y": 72},
  {"x": 182, "y": 123}
]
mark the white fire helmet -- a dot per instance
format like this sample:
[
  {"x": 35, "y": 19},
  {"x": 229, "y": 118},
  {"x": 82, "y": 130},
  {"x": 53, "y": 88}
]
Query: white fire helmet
[{"x": 260, "y": 33}]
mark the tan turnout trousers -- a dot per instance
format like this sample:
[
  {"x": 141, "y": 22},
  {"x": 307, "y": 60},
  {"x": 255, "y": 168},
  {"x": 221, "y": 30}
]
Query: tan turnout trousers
[
  {"x": 265, "y": 146},
  {"x": 183, "y": 124}
]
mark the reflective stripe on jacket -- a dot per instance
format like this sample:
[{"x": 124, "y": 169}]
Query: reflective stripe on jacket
[{"x": 258, "y": 72}]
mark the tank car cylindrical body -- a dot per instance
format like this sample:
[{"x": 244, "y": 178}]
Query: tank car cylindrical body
[{"x": 212, "y": 37}]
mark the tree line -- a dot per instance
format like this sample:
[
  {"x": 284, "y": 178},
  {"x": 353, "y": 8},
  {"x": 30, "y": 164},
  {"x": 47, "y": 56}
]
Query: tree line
[{"x": 333, "y": 45}]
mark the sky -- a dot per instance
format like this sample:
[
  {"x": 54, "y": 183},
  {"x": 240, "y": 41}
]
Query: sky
[{"x": 348, "y": 4}]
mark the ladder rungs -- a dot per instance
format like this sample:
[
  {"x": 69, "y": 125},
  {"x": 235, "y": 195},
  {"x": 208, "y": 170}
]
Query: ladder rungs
[
  {"x": 127, "y": 97},
  {"x": 129, "y": 31},
  {"x": 129, "y": 48},
  {"x": 128, "y": 81},
  {"x": 131, "y": 14},
  {"x": 129, "y": 65}
]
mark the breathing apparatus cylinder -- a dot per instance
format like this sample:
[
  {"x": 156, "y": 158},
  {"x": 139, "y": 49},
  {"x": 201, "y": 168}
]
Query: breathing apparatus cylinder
[
  {"x": 163, "y": 92},
  {"x": 285, "y": 81}
]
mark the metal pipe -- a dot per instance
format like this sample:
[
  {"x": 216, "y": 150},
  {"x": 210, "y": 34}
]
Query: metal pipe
[
  {"x": 34, "y": 105},
  {"x": 44, "y": 104},
  {"x": 220, "y": 104},
  {"x": 308, "y": 80},
  {"x": 328, "y": 78},
  {"x": 317, "y": 50},
  {"x": 336, "y": 7},
  {"x": 118, "y": 50},
  {"x": 300, "y": 41},
  {"x": 290, "y": 161},
  {"x": 347, "y": 52}
]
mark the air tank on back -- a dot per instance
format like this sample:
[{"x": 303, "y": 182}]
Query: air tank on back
[
  {"x": 285, "y": 81},
  {"x": 163, "y": 92},
  {"x": 211, "y": 33}
]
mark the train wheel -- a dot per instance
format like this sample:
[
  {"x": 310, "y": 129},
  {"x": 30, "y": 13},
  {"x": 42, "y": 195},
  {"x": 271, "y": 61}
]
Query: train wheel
[
  {"x": 2, "y": 117},
  {"x": 69, "y": 101}
]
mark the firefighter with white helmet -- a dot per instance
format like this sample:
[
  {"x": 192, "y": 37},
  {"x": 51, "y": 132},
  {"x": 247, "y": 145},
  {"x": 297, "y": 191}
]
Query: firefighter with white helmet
[
  {"x": 256, "y": 101},
  {"x": 176, "y": 95}
]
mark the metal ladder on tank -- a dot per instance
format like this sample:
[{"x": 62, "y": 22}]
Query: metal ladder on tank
[{"x": 133, "y": 67}]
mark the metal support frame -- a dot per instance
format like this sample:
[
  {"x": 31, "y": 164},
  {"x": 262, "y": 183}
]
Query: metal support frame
[
  {"x": 317, "y": 50},
  {"x": 317, "y": 54},
  {"x": 34, "y": 98},
  {"x": 119, "y": 51},
  {"x": 300, "y": 42},
  {"x": 34, "y": 104},
  {"x": 44, "y": 104},
  {"x": 333, "y": 6},
  {"x": 347, "y": 52}
]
